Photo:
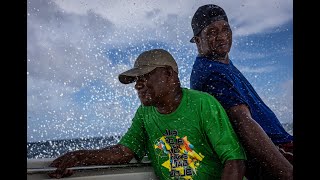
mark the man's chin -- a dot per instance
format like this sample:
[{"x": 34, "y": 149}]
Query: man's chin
[
  {"x": 146, "y": 103},
  {"x": 217, "y": 55},
  {"x": 222, "y": 51}
]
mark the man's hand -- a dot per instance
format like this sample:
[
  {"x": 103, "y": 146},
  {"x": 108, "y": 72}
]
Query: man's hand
[
  {"x": 63, "y": 162},
  {"x": 116, "y": 154},
  {"x": 60, "y": 174}
]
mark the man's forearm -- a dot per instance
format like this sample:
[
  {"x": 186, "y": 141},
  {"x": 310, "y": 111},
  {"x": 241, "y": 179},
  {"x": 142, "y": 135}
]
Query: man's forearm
[
  {"x": 111, "y": 155},
  {"x": 233, "y": 170},
  {"x": 259, "y": 145}
]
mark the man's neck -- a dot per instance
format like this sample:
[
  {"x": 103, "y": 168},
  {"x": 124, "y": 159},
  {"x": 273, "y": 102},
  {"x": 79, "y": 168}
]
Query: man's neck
[
  {"x": 223, "y": 58},
  {"x": 171, "y": 102}
]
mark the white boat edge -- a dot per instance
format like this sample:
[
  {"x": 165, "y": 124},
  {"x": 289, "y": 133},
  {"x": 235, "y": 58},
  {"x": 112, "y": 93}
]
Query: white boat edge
[{"x": 38, "y": 169}]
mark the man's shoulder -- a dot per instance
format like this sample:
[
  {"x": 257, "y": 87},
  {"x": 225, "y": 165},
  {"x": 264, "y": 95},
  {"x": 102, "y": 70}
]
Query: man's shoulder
[
  {"x": 197, "y": 93},
  {"x": 197, "y": 97},
  {"x": 212, "y": 64}
]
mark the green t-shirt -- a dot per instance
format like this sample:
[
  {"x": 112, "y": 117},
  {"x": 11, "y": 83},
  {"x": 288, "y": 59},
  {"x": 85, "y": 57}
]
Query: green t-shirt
[{"x": 193, "y": 142}]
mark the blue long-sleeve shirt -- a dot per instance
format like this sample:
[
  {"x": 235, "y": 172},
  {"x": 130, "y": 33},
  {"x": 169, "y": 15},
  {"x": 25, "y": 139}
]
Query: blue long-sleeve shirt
[{"x": 226, "y": 83}]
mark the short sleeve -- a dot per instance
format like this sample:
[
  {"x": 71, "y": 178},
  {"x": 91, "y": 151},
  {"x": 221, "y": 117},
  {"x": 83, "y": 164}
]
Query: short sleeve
[
  {"x": 222, "y": 88},
  {"x": 135, "y": 137},
  {"x": 220, "y": 132}
]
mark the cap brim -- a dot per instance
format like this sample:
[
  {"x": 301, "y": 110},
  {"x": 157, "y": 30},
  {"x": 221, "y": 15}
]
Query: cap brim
[
  {"x": 130, "y": 75},
  {"x": 192, "y": 40}
]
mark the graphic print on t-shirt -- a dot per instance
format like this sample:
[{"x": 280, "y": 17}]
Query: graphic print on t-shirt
[{"x": 182, "y": 160}]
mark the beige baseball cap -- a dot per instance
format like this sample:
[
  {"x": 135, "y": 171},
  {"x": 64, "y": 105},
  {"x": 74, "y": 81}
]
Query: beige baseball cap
[{"x": 146, "y": 62}]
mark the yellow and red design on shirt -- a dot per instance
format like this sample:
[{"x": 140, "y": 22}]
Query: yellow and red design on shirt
[{"x": 182, "y": 159}]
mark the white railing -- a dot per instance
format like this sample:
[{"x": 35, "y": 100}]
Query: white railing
[{"x": 38, "y": 169}]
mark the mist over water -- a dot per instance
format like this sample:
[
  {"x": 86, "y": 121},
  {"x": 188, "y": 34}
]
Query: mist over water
[
  {"x": 76, "y": 49},
  {"x": 55, "y": 148}
]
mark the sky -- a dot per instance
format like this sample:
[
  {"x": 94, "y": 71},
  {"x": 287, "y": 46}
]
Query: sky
[{"x": 77, "y": 48}]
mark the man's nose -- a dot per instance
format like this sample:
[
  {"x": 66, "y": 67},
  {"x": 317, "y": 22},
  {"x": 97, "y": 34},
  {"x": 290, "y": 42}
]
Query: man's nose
[
  {"x": 222, "y": 36},
  {"x": 139, "y": 85}
]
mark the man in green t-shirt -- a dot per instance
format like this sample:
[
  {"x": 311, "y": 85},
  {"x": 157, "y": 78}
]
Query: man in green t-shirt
[{"x": 185, "y": 133}]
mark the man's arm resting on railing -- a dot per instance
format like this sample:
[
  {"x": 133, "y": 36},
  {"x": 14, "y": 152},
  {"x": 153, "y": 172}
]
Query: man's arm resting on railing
[{"x": 117, "y": 154}]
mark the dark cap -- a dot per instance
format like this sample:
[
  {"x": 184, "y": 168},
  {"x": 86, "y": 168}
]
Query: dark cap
[
  {"x": 147, "y": 62},
  {"x": 204, "y": 16}
]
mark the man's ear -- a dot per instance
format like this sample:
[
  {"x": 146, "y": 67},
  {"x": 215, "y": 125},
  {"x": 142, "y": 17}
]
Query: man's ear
[
  {"x": 197, "y": 39},
  {"x": 169, "y": 71}
]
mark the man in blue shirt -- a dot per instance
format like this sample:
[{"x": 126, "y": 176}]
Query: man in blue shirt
[{"x": 269, "y": 147}]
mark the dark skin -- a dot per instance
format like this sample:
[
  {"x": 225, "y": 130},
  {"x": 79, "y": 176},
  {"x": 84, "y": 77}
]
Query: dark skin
[
  {"x": 116, "y": 154},
  {"x": 159, "y": 88},
  {"x": 214, "y": 42}
]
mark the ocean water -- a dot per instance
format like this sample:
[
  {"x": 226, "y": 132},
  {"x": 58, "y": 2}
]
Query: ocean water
[{"x": 55, "y": 148}]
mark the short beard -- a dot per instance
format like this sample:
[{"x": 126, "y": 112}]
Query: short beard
[{"x": 215, "y": 56}]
